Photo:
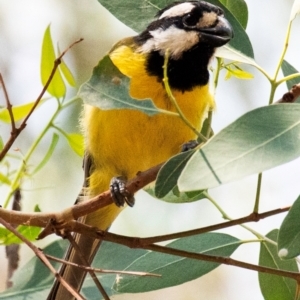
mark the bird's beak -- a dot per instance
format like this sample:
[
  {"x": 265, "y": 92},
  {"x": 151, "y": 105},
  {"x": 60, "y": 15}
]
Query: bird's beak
[{"x": 218, "y": 35}]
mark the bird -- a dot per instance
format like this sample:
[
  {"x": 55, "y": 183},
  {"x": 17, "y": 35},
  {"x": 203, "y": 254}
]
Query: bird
[{"x": 119, "y": 143}]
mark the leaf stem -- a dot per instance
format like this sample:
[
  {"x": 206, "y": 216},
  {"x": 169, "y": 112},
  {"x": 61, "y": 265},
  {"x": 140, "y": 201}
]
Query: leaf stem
[
  {"x": 257, "y": 197},
  {"x": 286, "y": 44},
  {"x": 217, "y": 73},
  {"x": 16, "y": 181},
  {"x": 273, "y": 81},
  {"x": 173, "y": 100},
  {"x": 227, "y": 217},
  {"x": 218, "y": 207},
  {"x": 289, "y": 77}
]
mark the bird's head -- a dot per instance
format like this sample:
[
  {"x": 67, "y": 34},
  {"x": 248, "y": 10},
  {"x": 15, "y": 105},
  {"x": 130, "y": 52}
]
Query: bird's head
[{"x": 180, "y": 27}]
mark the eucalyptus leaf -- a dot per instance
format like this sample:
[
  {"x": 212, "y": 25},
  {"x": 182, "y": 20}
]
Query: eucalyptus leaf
[
  {"x": 138, "y": 14},
  {"x": 276, "y": 287},
  {"x": 108, "y": 89},
  {"x": 239, "y": 9},
  {"x": 295, "y": 10},
  {"x": 168, "y": 175},
  {"x": 33, "y": 280},
  {"x": 29, "y": 232},
  {"x": 289, "y": 233},
  {"x": 19, "y": 111},
  {"x": 1, "y": 144},
  {"x": 123, "y": 257},
  {"x": 66, "y": 72},
  {"x": 233, "y": 54},
  {"x": 238, "y": 73},
  {"x": 259, "y": 140},
  {"x": 176, "y": 270},
  {"x": 174, "y": 196},
  {"x": 288, "y": 69},
  {"x": 54, "y": 141},
  {"x": 75, "y": 141},
  {"x": 57, "y": 86},
  {"x": 4, "y": 179}
]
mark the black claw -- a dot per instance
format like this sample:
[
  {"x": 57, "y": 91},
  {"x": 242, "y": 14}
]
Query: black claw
[
  {"x": 189, "y": 145},
  {"x": 119, "y": 193}
]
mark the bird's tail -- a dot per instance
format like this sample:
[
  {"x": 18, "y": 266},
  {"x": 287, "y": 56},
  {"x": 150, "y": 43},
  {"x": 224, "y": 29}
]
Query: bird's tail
[
  {"x": 88, "y": 246},
  {"x": 75, "y": 276}
]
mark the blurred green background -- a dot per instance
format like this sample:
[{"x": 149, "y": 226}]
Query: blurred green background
[{"x": 22, "y": 25}]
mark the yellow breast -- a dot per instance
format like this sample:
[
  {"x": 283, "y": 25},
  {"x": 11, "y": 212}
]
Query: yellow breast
[{"x": 123, "y": 142}]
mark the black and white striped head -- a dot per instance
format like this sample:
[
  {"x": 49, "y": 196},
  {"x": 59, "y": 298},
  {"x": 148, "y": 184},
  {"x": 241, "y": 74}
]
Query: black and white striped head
[{"x": 181, "y": 26}]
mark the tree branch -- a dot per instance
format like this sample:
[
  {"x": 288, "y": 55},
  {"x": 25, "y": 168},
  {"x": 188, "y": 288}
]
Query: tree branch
[
  {"x": 17, "y": 130},
  {"x": 291, "y": 96},
  {"x": 42, "y": 257},
  {"x": 64, "y": 218},
  {"x": 104, "y": 271},
  {"x": 133, "y": 242}
]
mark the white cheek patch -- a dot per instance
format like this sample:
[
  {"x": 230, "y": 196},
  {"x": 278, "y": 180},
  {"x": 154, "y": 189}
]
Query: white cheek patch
[
  {"x": 178, "y": 10},
  {"x": 174, "y": 39}
]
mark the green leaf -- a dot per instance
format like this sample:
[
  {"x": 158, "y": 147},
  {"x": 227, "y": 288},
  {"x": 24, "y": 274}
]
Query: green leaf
[
  {"x": 19, "y": 112},
  {"x": 34, "y": 279},
  {"x": 4, "y": 179},
  {"x": 295, "y": 10},
  {"x": 29, "y": 232},
  {"x": 235, "y": 55},
  {"x": 289, "y": 233},
  {"x": 1, "y": 142},
  {"x": 241, "y": 74},
  {"x": 138, "y": 14},
  {"x": 259, "y": 140},
  {"x": 75, "y": 141},
  {"x": 66, "y": 72},
  {"x": 239, "y": 9},
  {"x": 123, "y": 257},
  {"x": 275, "y": 287},
  {"x": 206, "y": 129},
  {"x": 168, "y": 175},
  {"x": 288, "y": 69},
  {"x": 175, "y": 270},
  {"x": 175, "y": 196},
  {"x": 54, "y": 141},
  {"x": 108, "y": 89},
  {"x": 37, "y": 208},
  {"x": 57, "y": 86}
]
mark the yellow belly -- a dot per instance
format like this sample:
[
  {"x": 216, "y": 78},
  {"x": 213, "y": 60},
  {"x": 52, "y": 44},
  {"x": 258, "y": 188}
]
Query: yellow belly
[{"x": 123, "y": 142}]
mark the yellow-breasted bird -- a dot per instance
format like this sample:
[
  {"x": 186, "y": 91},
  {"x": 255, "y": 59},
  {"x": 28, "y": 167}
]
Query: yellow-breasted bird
[{"x": 123, "y": 142}]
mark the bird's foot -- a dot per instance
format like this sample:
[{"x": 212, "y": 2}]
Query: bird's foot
[{"x": 119, "y": 192}]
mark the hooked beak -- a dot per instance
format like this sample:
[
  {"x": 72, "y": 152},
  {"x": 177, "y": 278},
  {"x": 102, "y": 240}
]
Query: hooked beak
[{"x": 218, "y": 35}]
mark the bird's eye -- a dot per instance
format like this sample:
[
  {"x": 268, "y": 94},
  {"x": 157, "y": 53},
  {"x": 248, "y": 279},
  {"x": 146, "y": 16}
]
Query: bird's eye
[{"x": 190, "y": 20}]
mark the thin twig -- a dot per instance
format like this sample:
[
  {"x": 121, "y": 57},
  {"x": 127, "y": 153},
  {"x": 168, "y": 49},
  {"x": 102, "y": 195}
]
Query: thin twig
[
  {"x": 174, "y": 102},
  {"x": 141, "y": 180},
  {"x": 224, "y": 260},
  {"x": 42, "y": 257},
  {"x": 8, "y": 104},
  {"x": 291, "y": 96},
  {"x": 43, "y": 219},
  {"x": 17, "y": 130},
  {"x": 253, "y": 217},
  {"x": 143, "y": 242},
  {"x": 133, "y": 242},
  {"x": 104, "y": 271}
]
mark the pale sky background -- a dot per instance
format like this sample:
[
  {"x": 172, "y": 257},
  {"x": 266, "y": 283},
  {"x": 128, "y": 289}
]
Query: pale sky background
[{"x": 22, "y": 24}]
